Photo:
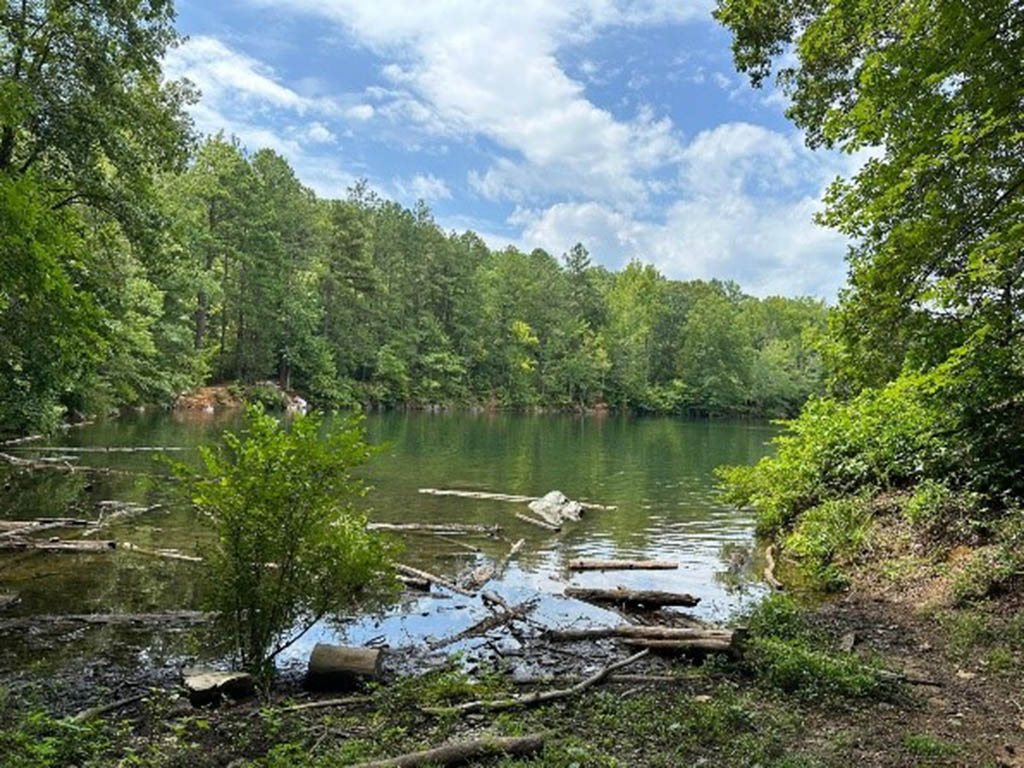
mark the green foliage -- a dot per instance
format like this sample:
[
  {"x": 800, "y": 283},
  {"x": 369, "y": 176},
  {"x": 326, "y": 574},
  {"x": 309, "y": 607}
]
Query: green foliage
[
  {"x": 289, "y": 549},
  {"x": 783, "y": 653},
  {"x": 30, "y": 738},
  {"x": 828, "y": 532}
]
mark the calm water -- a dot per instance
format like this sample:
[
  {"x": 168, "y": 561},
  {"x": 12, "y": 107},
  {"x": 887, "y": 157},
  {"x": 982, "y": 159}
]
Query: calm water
[{"x": 657, "y": 471}]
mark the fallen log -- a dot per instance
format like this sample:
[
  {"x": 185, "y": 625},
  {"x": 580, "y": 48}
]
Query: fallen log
[
  {"x": 101, "y": 448},
  {"x": 8, "y": 600},
  {"x": 769, "y": 569},
  {"x": 539, "y": 697},
  {"x": 207, "y": 686},
  {"x": 102, "y": 709},
  {"x": 414, "y": 582},
  {"x": 539, "y": 523},
  {"x": 58, "y": 546},
  {"x": 453, "y": 754},
  {"x": 697, "y": 645},
  {"x": 167, "y": 554},
  {"x": 451, "y": 529},
  {"x": 26, "y": 439},
  {"x": 617, "y": 678},
  {"x": 170, "y": 619},
  {"x": 15, "y": 528},
  {"x": 631, "y": 596},
  {"x": 408, "y": 570},
  {"x": 324, "y": 703},
  {"x": 649, "y": 632},
  {"x": 338, "y": 667},
  {"x": 479, "y": 577},
  {"x": 489, "y": 623},
  {"x": 510, "y": 497},
  {"x": 65, "y": 467},
  {"x": 622, "y": 565}
]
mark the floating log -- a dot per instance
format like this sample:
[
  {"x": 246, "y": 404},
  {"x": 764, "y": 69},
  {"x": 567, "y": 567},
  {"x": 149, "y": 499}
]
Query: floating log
[
  {"x": 631, "y": 596},
  {"x": 19, "y": 440},
  {"x": 454, "y": 754},
  {"x": 539, "y": 697},
  {"x": 101, "y": 448},
  {"x": 169, "y": 619},
  {"x": 451, "y": 529},
  {"x": 414, "y": 582},
  {"x": 33, "y": 464},
  {"x": 9, "y": 599},
  {"x": 510, "y": 497},
  {"x": 539, "y": 523},
  {"x": 649, "y": 632},
  {"x": 167, "y": 554},
  {"x": 16, "y": 528},
  {"x": 408, "y": 570},
  {"x": 491, "y": 622},
  {"x": 479, "y": 577},
  {"x": 622, "y": 565},
  {"x": 334, "y": 667},
  {"x": 59, "y": 546},
  {"x": 769, "y": 569},
  {"x": 206, "y": 686}
]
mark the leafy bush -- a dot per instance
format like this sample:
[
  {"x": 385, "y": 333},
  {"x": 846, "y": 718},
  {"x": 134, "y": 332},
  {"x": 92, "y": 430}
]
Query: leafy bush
[
  {"x": 289, "y": 548},
  {"x": 888, "y": 437},
  {"x": 828, "y": 532},
  {"x": 995, "y": 567}
]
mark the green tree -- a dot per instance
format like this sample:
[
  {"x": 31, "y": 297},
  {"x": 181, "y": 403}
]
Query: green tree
[{"x": 290, "y": 549}]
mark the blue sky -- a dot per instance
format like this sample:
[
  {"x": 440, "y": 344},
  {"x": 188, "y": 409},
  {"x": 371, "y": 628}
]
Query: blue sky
[{"x": 617, "y": 123}]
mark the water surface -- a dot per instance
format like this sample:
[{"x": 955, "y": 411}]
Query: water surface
[{"x": 658, "y": 472}]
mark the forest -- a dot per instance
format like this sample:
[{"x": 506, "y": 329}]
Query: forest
[{"x": 147, "y": 260}]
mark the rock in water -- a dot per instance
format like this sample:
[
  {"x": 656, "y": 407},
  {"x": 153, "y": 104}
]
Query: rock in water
[
  {"x": 206, "y": 686},
  {"x": 556, "y": 508}
]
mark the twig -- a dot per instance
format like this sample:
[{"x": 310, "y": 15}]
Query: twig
[{"x": 89, "y": 714}]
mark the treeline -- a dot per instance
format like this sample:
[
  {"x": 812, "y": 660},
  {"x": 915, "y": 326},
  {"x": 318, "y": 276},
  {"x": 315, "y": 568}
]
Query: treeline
[{"x": 137, "y": 264}]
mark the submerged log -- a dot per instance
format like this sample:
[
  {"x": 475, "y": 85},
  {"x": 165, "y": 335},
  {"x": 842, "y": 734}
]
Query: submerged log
[
  {"x": 338, "y": 667},
  {"x": 408, "y": 570},
  {"x": 167, "y": 554},
  {"x": 539, "y": 697},
  {"x": 462, "y": 752},
  {"x": 451, "y": 529},
  {"x": 510, "y": 497},
  {"x": 539, "y": 523},
  {"x": 491, "y": 622},
  {"x": 622, "y": 565},
  {"x": 632, "y": 596},
  {"x": 59, "y": 546},
  {"x": 149, "y": 620}
]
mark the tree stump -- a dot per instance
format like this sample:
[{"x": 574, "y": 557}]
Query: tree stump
[{"x": 338, "y": 667}]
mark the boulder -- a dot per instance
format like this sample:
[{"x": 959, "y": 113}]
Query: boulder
[
  {"x": 555, "y": 508},
  {"x": 208, "y": 686}
]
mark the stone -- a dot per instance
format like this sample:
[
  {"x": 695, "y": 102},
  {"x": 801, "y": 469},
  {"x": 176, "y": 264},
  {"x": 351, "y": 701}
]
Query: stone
[{"x": 555, "y": 508}]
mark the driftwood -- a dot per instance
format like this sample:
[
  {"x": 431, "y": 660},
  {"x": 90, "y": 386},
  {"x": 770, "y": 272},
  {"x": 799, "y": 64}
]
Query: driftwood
[
  {"x": 102, "y": 709},
  {"x": 7, "y": 600},
  {"x": 169, "y": 619},
  {"x": 698, "y": 645},
  {"x": 15, "y": 528},
  {"x": 631, "y": 596},
  {"x": 325, "y": 703},
  {"x": 334, "y": 667},
  {"x": 649, "y": 632},
  {"x": 414, "y": 582},
  {"x": 59, "y": 546},
  {"x": 769, "y": 568},
  {"x": 408, "y": 570},
  {"x": 510, "y": 497},
  {"x": 19, "y": 440},
  {"x": 479, "y": 577},
  {"x": 538, "y": 697},
  {"x": 539, "y": 523},
  {"x": 454, "y": 754},
  {"x": 491, "y": 622},
  {"x": 624, "y": 678},
  {"x": 101, "y": 448},
  {"x": 451, "y": 529},
  {"x": 622, "y": 565},
  {"x": 167, "y": 554}
]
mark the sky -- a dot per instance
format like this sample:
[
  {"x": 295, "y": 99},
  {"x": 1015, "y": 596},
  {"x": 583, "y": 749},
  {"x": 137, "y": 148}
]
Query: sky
[{"x": 621, "y": 124}]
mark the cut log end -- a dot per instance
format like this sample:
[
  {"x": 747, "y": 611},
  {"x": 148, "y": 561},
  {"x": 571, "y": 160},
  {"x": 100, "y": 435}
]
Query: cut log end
[{"x": 338, "y": 667}]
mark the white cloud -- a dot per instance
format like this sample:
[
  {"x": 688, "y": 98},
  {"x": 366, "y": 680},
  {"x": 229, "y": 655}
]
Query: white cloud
[
  {"x": 422, "y": 187},
  {"x": 360, "y": 112},
  {"x": 319, "y": 133}
]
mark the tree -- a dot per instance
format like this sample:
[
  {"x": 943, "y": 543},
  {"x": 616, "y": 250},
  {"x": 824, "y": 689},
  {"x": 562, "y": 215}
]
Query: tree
[
  {"x": 290, "y": 548},
  {"x": 932, "y": 91}
]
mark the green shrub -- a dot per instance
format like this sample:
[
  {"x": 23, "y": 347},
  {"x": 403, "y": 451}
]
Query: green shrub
[
  {"x": 881, "y": 438},
  {"x": 289, "y": 548},
  {"x": 828, "y": 532},
  {"x": 996, "y": 567},
  {"x": 947, "y": 514}
]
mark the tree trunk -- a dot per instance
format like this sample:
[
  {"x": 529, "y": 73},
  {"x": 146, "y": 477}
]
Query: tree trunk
[{"x": 334, "y": 667}]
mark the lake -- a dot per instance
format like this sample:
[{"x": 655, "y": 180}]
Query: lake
[{"x": 658, "y": 472}]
